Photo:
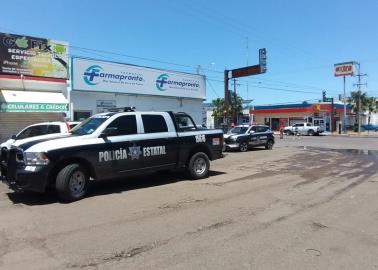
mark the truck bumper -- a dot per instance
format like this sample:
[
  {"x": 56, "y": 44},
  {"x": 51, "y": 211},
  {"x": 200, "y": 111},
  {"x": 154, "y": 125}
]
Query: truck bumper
[
  {"x": 28, "y": 178},
  {"x": 230, "y": 146}
]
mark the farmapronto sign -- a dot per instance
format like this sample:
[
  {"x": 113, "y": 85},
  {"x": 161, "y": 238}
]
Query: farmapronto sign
[
  {"x": 101, "y": 76},
  {"x": 33, "y": 56}
]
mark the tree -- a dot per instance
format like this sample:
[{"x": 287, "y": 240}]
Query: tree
[
  {"x": 236, "y": 105},
  {"x": 372, "y": 107},
  {"x": 355, "y": 98}
]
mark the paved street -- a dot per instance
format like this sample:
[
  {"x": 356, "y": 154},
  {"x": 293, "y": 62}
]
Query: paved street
[{"x": 307, "y": 204}]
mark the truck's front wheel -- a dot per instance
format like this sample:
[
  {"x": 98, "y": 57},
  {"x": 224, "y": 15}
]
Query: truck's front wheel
[
  {"x": 198, "y": 166},
  {"x": 72, "y": 182}
]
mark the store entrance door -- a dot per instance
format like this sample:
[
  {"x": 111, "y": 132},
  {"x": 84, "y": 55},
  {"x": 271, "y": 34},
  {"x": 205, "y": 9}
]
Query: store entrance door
[{"x": 321, "y": 123}]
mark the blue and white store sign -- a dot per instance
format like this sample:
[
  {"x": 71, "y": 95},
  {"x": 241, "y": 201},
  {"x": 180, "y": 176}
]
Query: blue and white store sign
[{"x": 101, "y": 76}]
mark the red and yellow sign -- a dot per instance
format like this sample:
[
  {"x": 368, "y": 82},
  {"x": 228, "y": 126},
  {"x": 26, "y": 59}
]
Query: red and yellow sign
[{"x": 344, "y": 69}]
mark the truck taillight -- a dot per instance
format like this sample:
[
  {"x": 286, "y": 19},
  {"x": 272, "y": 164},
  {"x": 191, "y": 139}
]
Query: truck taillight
[{"x": 68, "y": 127}]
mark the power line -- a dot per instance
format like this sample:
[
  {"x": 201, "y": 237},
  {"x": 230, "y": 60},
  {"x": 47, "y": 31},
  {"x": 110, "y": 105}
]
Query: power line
[
  {"x": 273, "y": 88},
  {"x": 240, "y": 27},
  {"x": 212, "y": 88}
]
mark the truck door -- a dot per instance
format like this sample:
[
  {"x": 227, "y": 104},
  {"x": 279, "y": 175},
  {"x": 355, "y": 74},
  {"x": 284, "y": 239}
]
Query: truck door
[
  {"x": 159, "y": 141},
  {"x": 253, "y": 136},
  {"x": 262, "y": 135},
  {"x": 121, "y": 152}
]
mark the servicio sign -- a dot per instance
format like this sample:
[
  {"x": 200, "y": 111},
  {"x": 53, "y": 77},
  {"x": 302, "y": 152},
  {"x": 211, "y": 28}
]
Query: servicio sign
[
  {"x": 344, "y": 69},
  {"x": 31, "y": 56}
]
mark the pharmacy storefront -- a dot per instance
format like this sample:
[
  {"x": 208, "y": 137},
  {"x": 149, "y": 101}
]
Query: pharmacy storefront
[
  {"x": 33, "y": 78},
  {"x": 98, "y": 86}
]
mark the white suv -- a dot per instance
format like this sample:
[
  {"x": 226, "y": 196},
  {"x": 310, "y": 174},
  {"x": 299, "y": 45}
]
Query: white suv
[{"x": 40, "y": 130}]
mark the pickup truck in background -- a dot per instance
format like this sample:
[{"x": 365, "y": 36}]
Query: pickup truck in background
[
  {"x": 110, "y": 145},
  {"x": 303, "y": 129}
]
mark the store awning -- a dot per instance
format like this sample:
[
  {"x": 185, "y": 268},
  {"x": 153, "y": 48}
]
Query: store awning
[{"x": 29, "y": 101}]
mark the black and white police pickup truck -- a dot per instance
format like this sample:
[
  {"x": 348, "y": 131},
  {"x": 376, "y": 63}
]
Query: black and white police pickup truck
[{"x": 110, "y": 145}]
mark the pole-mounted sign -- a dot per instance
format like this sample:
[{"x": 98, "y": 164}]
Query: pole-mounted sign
[
  {"x": 251, "y": 70},
  {"x": 344, "y": 69},
  {"x": 241, "y": 72},
  {"x": 262, "y": 60}
]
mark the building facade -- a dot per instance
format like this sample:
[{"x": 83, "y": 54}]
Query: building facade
[
  {"x": 33, "y": 74},
  {"x": 98, "y": 86},
  {"x": 319, "y": 114}
]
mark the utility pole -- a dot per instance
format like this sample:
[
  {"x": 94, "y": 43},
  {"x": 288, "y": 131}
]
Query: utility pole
[
  {"x": 226, "y": 99},
  {"x": 359, "y": 75},
  {"x": 247, "y": 48},
  {"x": 235, "y": 117},
  {"x": 344, "y": 100}
]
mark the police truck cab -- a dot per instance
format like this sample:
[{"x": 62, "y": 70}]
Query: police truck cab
[{"x": 110, "y": 145}]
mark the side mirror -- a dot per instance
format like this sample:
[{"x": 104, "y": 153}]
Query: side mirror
[
  {"x": 108, "y": 132},
  {"x": 252, "y": 131},
  {"x": 14, "y": 137}
]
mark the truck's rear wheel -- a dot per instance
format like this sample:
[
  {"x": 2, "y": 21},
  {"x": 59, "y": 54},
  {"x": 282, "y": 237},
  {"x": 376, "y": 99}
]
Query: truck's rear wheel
[
  {"x": 72, "y": 182},
  {"x": 311, "y": 132},
  {"x": 198, "y": 166}
]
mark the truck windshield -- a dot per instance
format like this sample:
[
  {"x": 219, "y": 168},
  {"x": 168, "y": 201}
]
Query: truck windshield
[
  {"x": 88, "y": 126},
  {"x": 238, "y": 130}
]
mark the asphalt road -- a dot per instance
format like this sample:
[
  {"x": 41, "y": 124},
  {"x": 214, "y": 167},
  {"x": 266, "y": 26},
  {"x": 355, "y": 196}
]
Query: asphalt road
[{"x": 307, "y": 204}]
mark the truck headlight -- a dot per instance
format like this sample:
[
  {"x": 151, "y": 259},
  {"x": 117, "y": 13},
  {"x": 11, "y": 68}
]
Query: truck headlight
[{"x": 36, "y": 158}]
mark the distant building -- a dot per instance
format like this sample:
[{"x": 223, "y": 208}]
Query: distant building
[{"x": 319, "y": 114}]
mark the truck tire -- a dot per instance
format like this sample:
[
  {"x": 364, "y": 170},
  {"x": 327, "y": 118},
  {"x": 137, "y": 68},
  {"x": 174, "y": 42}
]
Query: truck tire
[
  {"x": 243, "y": 147},
  {"x": 289, "y": 133},
  {"x": 198, "y": 166},
  {"x": 72, "y": 182},
  {"x": 269, "y": 145},
  {"x": 310, "y": 132}
]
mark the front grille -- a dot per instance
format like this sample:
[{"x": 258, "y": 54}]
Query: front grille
[
  {"x": 3, "y": 154},
  {"x": 10, "y": 159}
]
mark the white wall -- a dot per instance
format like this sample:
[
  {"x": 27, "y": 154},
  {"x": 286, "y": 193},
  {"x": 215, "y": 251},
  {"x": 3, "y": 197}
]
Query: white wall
[{"x": 88, "y": 101}]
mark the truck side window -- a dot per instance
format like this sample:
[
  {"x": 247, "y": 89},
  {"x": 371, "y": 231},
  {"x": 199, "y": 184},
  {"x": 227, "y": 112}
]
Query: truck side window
[
  {"x": 33, "y": 131},
  {"x": 262, "y": 129},
  {"x": 53, "y": 129},
  {"x": 253, "y": 130},
  {"x": 154, "y": 123},
  {"x": 126, "y": 125},
  {"x": 184, "y": 123}
]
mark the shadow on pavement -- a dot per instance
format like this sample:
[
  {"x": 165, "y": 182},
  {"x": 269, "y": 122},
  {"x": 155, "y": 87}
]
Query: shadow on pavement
[{"x": 106, "y": 187}]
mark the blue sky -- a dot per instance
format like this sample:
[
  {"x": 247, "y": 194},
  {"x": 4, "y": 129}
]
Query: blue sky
[{"x": 303, "y": 39}]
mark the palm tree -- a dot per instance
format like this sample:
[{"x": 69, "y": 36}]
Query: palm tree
[
  {"x": 354, "y": 99},
  {"x": 372, "y": 107},
  {"x": 218, "y": 111},
  {"x": 236, "y": 105}
]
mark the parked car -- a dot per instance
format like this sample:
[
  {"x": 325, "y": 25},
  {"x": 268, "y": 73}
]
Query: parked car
[
  {"x": 39, "y": 130},
  {"x": 370, "y": 127},
  {"x": 303, "y": 129},
  {"x": 111, "y": 145},
  {"x": 243, "y": 137}
]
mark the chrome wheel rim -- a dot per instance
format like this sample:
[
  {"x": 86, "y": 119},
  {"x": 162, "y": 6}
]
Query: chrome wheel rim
[
  {"x": 77, "y": 183},
  {"x": 200, "y": 165},
  {"x": 243, "y": 147}
]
